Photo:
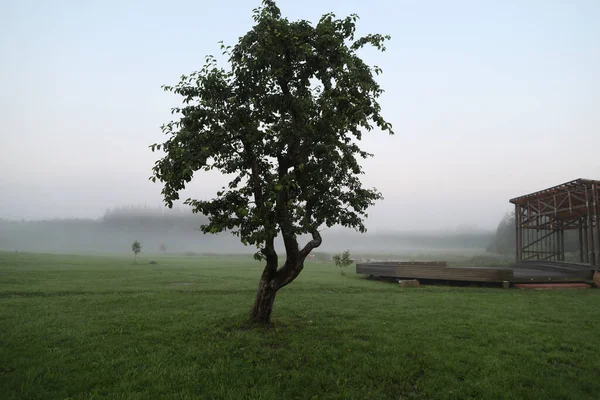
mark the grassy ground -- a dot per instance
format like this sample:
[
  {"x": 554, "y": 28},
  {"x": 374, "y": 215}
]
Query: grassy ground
[{"x": 82, "y": 327}]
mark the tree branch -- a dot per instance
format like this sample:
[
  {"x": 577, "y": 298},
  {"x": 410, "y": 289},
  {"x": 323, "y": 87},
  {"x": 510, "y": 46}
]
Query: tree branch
[
  {"x": 313, "y": 244},
  {"x": 272, "y": 260},
  {"x": 254, "y": 174},
  {"x": 295, "y": 264}
]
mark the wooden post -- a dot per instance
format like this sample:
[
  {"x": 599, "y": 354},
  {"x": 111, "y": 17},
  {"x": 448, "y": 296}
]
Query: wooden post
[
  {"x": 596, "y": 207},
  {"x": 581, "y": 240},
  {"x": 519, "y": 233},
  {"x": 590, "y": 228},
  {"x": 556, "y": 247},
  {"x": 562, "y": 244},
  {"x": 547, "y": 242},
  {"x": 555, "y": 241},
  {"x": 542, "y": 247},
  {"x": 586, "y": 256},
  {"x": 529, "y": 240},
  {"x": 558, "y": 241},
  {"x": 538, "y": 245},
  {"x": 552, "y": 241},
  {"x": 529, "y": 234}
]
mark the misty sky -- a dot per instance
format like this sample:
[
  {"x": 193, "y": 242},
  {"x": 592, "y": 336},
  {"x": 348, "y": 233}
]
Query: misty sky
[{"x": 489, "y": 100}]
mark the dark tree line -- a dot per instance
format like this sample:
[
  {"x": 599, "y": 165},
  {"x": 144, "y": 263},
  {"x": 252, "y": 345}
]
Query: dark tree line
[
  {"x": 504, "y": 241},
  {"x": 159, "y": 219},
  {"x": 176, "y": 229}
]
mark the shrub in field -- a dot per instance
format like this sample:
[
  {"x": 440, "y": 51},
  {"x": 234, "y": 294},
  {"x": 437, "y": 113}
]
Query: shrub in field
[
  {"x": 342, "y": 260},
  {"x": 136, "y": 247}
]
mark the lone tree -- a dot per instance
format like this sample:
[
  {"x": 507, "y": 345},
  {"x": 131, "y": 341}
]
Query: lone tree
[
  {"x": 136, "y": 247},
  {"x": 342, "y": 260},
  {"x": 163, "y": 247},
  {"x": 283, "y": 121}
]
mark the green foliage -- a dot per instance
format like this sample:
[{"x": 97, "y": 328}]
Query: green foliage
[
  {"x": 97, "y": 327},
  {"x": 283, "y": 120},
  {"x": 342, "y": 260},
  {"x": 505, "y": 240},
  {"x": 136, "y": 247}
]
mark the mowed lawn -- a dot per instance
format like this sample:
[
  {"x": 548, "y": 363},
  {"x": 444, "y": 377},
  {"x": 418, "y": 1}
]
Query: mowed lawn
[{"x": 85, "y": 327}]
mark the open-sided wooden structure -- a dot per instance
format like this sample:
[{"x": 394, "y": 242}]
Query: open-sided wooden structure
[
  {"x": 541, "y": 221},
  {"x": 543, "y": 217}
]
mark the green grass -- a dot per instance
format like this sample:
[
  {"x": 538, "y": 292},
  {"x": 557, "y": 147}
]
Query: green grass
[{"x": 82, "y": 327}]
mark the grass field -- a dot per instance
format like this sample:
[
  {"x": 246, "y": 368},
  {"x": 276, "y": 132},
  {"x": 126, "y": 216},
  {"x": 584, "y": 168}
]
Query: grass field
[{"x": 82, "y": 327}]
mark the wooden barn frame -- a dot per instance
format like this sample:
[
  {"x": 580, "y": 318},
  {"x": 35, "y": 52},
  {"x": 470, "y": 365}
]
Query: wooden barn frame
[{"x": 543, "y": 217}]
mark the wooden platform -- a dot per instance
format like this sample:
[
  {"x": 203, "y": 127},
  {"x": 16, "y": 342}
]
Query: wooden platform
[
  {"x": 547, "y": 286},
  {"x": 523, "y": 272}
]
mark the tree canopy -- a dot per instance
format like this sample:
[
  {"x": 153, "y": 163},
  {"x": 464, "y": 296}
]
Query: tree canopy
[
  {"x": 136, "y": 247},
  {"x": 284, "y": 121}
]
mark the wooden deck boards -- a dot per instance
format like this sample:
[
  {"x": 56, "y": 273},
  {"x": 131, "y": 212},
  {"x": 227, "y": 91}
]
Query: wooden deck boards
[
  {"x": 549, "y": 286},
  {"x": 534, "y": 273}
]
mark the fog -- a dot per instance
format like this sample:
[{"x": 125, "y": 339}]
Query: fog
[
  {"x": 489, "y": 100},
  {"x": 176, "y": 232}
]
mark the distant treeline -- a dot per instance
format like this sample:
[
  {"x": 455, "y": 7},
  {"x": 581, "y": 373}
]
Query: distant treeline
[
  {"x": 159, "y": 219},
  {"x": 176, "y": 231}
]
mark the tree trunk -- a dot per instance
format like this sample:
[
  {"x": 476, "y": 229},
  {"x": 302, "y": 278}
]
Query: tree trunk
[
  {"x": 263, "y": 305},
  {"x": 274, "y": 279}
]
